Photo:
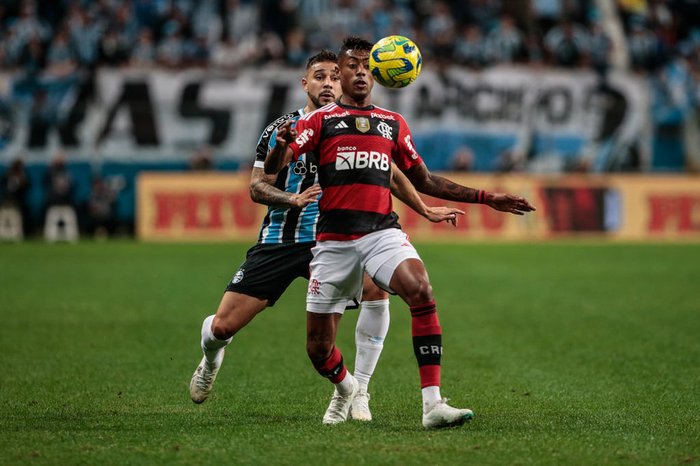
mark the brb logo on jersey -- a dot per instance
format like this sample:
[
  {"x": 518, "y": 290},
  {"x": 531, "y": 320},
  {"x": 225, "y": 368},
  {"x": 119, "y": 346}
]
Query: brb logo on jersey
[{"x": 349, "y": 158}]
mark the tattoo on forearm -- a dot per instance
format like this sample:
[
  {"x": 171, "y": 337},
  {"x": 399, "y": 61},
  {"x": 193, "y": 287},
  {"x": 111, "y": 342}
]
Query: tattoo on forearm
[
  {"x": 446, "y": 189},
  {"x": 265, "y": 193}
]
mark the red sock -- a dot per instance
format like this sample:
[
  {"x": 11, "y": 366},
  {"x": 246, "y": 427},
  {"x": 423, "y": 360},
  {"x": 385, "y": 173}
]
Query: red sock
[
  {"x": 332, "y": 368},
  {"x": 427, "y": 343}
]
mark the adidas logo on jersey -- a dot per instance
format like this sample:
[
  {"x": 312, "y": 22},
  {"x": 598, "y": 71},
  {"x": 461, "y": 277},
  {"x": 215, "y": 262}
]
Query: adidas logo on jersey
[{"x": 341, "y": 125}]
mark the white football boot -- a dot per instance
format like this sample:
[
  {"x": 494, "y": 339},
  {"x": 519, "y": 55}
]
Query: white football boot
[
  {"x": 443, "y": 415},
  {"x": 337, "y": 411},
  {"x": 359, "y": 410},
  {"x": 203, "y": 378}
]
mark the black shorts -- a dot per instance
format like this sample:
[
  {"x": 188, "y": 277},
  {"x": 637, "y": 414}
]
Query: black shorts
[{"x": 270, "y": 268}]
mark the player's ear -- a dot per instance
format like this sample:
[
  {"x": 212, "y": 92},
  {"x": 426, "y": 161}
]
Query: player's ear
[{"x": 305, "y": 84}]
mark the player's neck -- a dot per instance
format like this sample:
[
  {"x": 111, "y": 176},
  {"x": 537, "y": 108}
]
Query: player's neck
[{"x": 346, "y": 100}]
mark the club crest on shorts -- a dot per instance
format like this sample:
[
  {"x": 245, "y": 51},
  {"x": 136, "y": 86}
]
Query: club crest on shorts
[
  {"x": 238, "y": 277},
  {"x": 362, "y": 124},
  {"x": 314, "y": 287}
]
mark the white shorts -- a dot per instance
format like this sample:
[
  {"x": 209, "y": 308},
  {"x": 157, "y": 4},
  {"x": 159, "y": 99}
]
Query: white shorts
[{"x": 338, "y": 266}]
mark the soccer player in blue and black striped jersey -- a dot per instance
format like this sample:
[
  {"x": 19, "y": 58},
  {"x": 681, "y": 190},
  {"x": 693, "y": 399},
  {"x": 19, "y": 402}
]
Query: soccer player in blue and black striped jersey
[{"x": 283, "y": 250}]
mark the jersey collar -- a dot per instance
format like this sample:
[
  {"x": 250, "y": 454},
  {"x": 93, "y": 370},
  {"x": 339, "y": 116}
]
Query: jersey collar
[{"x": 350, "y": 107}]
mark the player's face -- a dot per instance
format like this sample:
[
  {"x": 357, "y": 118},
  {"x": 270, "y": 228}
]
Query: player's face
[
  {"x": 322, "y": 83},
  {"x": 355, "y": 77}
]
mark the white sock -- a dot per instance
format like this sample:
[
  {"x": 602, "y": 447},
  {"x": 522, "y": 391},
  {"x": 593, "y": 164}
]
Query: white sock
[
  {"x": 344, "y": 387},
  {"x": 431, "y": 395},
  {"x": 372, "y": 327},
  {"x": 211, "y": 345}
]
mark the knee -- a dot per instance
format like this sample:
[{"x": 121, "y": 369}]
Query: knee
[
  {"x": 222, "y": 329},
  {"x": 318, "y": 351},
  {"x": 373, "y": 293},
  {"x": 420, "y": 293}
]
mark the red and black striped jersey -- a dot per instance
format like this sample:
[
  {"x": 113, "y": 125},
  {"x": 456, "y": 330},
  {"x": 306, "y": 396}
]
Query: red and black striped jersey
[{"x": 355, "y": 149}]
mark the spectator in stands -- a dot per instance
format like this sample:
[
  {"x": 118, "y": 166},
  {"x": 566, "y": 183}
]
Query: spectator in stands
[
  {"x": 144, "y": 53},
  {"x": 229, "y": 55},
  {"x": 120, "y": 19},
  {"x": 673, "y": 104},
  {"x": 201, "y": 160},
  {"x": 343, "y": 18},
  {"x": 483, "y": 12},
  {"x": 378, "y": 15},
  {"x": 101, "y": 209},
  {"x": 440, "y": 30},
  {"x": 12, "y": 46},
  {"x": 505, "y": 41},
  {"x": 268, "y": 48},
  {"x": 663, "y": 24},
  {"x": 277, "y": 19},
  {"x": 60, "y": 60},
  {"x": 567, "y": 44},
  {"x": 534, "y": 54},
  {"x": 28, "y": 25},
  {"x": 643, "y": 45},
  {"x": 296, "y": 51},
  {"x": 14, "y": 192},
  {"x": 85, "y": 35},
  {"x": 58, "y": 183},
  {"x": 440, "y": 21},
  {"x": 113, "y": 48},
  {"x": 600, "y": 48},
  {"x": 470, "y": 47},
  {"x": 32, "y": 58},
  {"x": 242, "y": 19},
  {"x": 170, "y": 52},
  {"x": 198, "y": 52}
]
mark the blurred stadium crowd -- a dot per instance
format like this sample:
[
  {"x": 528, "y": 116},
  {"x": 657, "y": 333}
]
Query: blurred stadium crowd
[
  {"x": 52, "y": 45},
  {"x": 60, "y": 36}
]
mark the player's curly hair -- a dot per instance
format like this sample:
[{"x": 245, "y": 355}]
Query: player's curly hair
[
  {"x": 322, "y": 56},
  {"x": 355, "y": 43}
]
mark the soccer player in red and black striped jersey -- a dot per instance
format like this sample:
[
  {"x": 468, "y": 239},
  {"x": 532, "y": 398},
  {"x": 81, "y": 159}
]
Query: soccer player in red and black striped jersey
[
  {"x": 283, "y": 250},
  {"x": 356, "y": 144}
]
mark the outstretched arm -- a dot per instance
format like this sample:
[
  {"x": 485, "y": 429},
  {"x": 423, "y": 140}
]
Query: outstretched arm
[
  {"x": 402, "y": 188},
  {"x": 263, "y": 191},
  {"x": 441, "y": 187},
  {"x": 281, "y": 154}
]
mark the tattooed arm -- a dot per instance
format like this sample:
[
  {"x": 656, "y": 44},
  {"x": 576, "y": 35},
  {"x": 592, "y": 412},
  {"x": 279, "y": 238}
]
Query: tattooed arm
[
  {"x": 263, "y": 191},
  {"x": 402, "y": 188},
  {"x": 441, "y": 187}
]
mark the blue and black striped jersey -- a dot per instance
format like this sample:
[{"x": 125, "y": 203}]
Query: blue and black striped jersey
[{"x": 283, "y": 225}]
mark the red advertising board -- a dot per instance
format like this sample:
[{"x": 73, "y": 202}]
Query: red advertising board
[{"x": 217, "y": 206}]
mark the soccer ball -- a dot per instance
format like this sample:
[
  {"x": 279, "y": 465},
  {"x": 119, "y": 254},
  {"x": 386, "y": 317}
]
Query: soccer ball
[{"x": 395, "y": 61}]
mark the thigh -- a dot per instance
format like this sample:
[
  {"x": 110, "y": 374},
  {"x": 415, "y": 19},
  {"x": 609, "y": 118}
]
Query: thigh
[
  {"x": 371, "y": 291},
  {"x": 269, "y": 270},
  {"x": 336, "y": 277},
  {"x": 382, "y": 252},
  {"x": 236, "y": 310}
]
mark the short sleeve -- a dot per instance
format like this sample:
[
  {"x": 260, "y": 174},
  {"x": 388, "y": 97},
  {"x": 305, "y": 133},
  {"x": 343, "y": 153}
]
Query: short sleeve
[
  {"x": 268, "y": 140},
  {"x": 405, "y": 155},
  {"x": 308, "y": 134}
]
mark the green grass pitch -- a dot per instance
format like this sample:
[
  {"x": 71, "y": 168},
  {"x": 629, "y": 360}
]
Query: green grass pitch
[{"x": 568, "y": 353}]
